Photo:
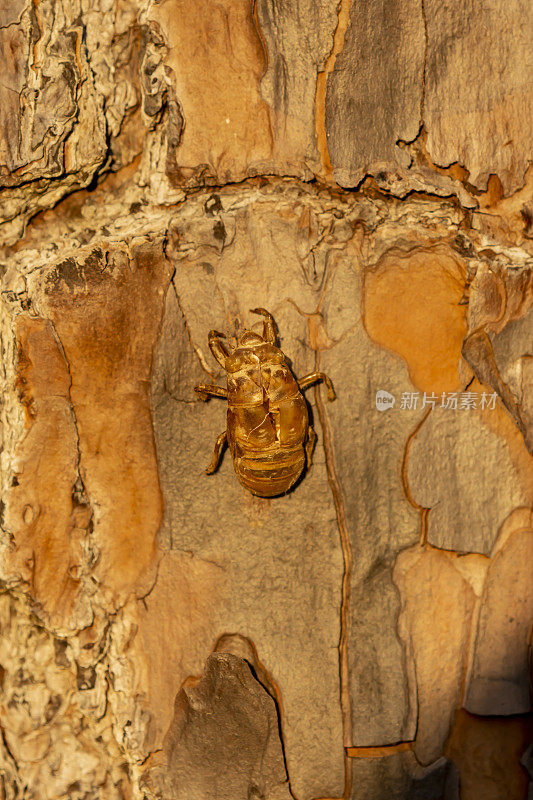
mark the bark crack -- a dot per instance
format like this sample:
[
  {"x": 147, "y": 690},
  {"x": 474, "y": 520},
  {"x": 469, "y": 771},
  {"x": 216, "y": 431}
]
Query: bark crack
[
  {"x": 423, "y": 510},
  {"x": 379, "y": 751},
  {"x": 347, "y": 554},
  {"x": 79, "y": 491},
  {"x": 205, "y": 366},
  {"x": 424, "y": 66},
  {"x": 343, "y": 14}
]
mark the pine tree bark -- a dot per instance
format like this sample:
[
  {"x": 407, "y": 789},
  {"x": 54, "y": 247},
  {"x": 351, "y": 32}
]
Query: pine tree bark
[{"x": 362, "y": 171}]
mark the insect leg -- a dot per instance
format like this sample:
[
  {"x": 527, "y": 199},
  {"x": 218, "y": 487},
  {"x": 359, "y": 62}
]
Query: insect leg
[
  {"x": 206, "y": 390},
  {"x": 269, "y": 327},
  {"x": 316, "y": 377},
  {"x": 217, "y": 348},
  {"x": 217, "y": 454},
  {"x": 310, "y": 446}
]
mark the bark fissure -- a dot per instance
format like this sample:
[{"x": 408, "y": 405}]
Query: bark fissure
[{"x": 336, "y": 491}]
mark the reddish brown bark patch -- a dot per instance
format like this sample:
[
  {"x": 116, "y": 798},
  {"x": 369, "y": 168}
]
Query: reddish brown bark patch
[
  {"x": 412, "y": 307},
  {"x": 106, "y": 307},
  {"x": 43, "y": 515},
  {"x": 487, "y": 751},
  {"x": 227, "y": 133}
]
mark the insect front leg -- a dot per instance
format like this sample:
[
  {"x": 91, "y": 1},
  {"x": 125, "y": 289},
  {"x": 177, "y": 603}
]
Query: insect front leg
[
  {"x": 269, "y": 327},
  {"x": 217, "y": 348},
  {"x": 207, "y": 390},
  {"x": 318, "y": 377},
  {"x": 217, "y": 454}
]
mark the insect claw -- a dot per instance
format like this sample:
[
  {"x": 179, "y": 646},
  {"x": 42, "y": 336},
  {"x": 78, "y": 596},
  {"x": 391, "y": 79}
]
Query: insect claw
[
  {"x": 269, "y": 330},
  {"x": 261, "y": 311}
]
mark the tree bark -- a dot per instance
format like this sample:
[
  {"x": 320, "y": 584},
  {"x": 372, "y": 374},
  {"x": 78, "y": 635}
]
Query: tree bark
[{"x": 362, "y": 171}]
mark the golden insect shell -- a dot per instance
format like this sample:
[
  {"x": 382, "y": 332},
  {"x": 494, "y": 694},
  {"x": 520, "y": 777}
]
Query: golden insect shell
[{"x": 268, "y": 431}]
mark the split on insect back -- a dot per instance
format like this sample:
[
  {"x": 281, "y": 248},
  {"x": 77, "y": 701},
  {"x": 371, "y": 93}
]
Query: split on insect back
[{"x": 268, "y": 431}]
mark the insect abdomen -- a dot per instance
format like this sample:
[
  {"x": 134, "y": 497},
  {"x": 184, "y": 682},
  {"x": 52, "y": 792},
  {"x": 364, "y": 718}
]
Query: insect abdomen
[{"x": 270, "y": 474}]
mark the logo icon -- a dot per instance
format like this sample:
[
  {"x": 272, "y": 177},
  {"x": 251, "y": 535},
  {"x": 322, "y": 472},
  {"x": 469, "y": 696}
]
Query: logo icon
[{"x": 384, "y": 400}]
